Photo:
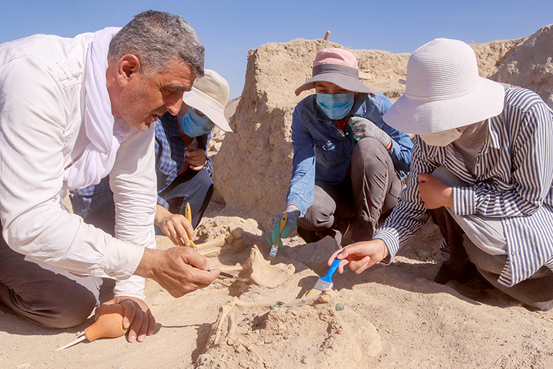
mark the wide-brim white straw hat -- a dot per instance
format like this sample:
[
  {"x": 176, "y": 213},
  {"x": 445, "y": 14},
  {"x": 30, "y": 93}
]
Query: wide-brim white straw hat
[
  {"x": 210, "y": 95},
  {"x": 338, "y": 66},
  {"x": 444, "y": 90}
]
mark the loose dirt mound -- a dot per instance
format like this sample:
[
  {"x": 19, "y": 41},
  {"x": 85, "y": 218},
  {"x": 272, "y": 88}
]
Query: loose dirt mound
[{"x": 319, "y": 336}]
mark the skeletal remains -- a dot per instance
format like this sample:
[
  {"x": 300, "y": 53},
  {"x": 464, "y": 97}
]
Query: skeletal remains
[{"x": 226, "y": 315}]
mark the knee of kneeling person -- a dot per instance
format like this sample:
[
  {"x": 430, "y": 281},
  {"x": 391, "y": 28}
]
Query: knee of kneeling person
[
  {"x": 315, "y": 220},
  {"x": 71, "y": 313},
  {"x": 370, "y": 152}
]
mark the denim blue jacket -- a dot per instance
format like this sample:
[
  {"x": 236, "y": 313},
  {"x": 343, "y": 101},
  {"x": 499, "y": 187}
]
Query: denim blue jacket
[{"x": 322, "y": 152}]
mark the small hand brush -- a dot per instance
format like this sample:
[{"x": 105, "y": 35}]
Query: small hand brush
[
  {"x": 326, "y": 281},
  {"x": 278, "y": 243}
]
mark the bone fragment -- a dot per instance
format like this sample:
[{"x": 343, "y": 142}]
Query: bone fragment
[
  {"x": 232, "y": 326},
  {"x": 238, "y": 243},
  {"x": 239, "y": 341},
  {"x": 211, "y": 250},
  {"x": 263, "y": 273},
  {"x": 218, "y": 242},
  {"x": 235, "y": 231},
  {"x": 326, "y": 296},
  {"x": 231, "y": 269},
  {"x": 225, "y": 311},
  {"x": 229, "y": 239}
]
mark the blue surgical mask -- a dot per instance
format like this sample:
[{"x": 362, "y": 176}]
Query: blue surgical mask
[
  {"x": 194, "y": 125},
  {"x": 335, "y": 106}
]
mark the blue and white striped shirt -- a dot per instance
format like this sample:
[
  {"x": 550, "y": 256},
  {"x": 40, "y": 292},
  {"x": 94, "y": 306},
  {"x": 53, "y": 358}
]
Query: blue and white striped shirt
[{"x": 512, "y": 179}]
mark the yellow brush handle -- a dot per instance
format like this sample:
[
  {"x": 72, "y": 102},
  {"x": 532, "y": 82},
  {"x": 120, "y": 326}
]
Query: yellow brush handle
[
  {"x": 281, "y": 227},
  {"x": 188, "y": 215},
  {"x": 188, "y": 212},
  {"x": 282, "y": 224}
]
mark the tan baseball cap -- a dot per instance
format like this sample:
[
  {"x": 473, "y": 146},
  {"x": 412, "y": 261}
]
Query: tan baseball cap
[{"x": 210, "y": 95}]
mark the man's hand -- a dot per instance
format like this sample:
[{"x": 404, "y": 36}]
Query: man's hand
[
  {"x": 360, "y": 255},
  {"x": 175, "y": 226},
  {"x": 137, "y": 317},
  {"x": 195, "y": 157},
  {"x": 179, "y": 270},
  {"x": 434, "y": 192},
  {"x": 363, "y": 128}
]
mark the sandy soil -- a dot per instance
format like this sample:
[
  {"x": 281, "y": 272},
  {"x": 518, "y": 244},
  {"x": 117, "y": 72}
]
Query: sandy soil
[{"x": 392, "y": 317}]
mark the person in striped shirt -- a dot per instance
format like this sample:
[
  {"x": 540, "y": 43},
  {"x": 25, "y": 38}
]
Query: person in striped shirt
[{"x": 482, "y": 167}]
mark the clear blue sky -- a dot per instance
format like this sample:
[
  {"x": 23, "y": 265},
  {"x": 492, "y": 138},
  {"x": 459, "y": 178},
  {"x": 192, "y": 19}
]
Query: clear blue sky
[{"x": 229, "y": 29}]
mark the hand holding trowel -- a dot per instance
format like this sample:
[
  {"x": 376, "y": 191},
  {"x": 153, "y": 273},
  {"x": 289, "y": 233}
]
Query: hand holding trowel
[{"x": 280, "y": 226}]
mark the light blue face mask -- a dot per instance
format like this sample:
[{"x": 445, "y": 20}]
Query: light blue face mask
[
  {"x": 335, "y": 106},
  {"x": 194, "y": 125}
]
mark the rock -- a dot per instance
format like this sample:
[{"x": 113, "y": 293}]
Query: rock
[{"x": 530, "y": 65}]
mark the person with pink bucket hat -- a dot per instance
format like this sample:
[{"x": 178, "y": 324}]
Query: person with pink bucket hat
[
  {"x": 483, "y": 169},
  {"x": 348, "y": 163}
]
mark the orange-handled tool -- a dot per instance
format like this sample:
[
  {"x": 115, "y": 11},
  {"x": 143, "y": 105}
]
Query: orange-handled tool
[{"x": 108, "y": 325}]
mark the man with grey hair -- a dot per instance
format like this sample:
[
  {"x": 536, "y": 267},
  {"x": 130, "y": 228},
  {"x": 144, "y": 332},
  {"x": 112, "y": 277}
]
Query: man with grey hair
[{"x": 94, "y": 98}]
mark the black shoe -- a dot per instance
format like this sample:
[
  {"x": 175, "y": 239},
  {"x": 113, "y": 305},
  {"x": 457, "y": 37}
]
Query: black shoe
[
  {"x": 467, "y": 290},
  {"x": 467, "y": 281},
  {"x": 471, "y": 277},
  {"x": 447, "y": 273},
  {"x": 342, "y": 232}
]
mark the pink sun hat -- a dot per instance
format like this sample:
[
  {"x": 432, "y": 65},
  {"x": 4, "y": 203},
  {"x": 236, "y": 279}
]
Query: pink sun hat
[{"x": 338, "y": 66}]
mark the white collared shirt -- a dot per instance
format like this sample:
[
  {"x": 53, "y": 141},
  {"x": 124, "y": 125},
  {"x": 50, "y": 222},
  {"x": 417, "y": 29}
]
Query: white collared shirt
[{"x": 41, "y": 90}]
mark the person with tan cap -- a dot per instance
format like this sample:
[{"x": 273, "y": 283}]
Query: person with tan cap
[
  {"x": 482, "y": 168},
  {"x": 348, "y": 163},
  {"x": 183, "y": 168}
]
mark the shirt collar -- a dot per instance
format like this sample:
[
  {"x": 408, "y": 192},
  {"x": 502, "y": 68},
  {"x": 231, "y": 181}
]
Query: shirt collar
[{"x": 493, "y": 129}]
